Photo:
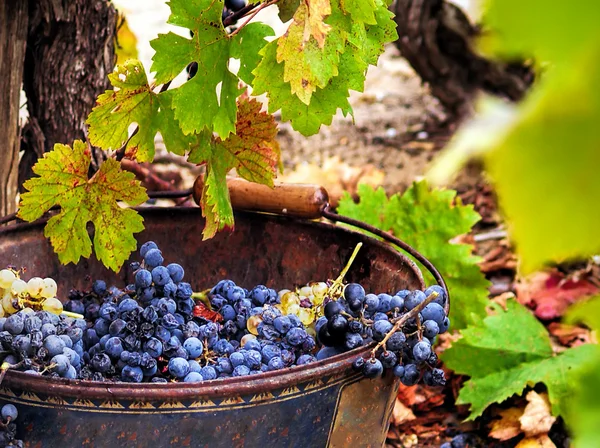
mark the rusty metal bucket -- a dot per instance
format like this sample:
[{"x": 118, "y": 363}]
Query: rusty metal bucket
[{"x": 324, "y": 404}]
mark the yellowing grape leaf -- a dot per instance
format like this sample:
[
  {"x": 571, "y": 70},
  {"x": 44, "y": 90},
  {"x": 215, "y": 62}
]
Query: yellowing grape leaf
[
  {"x": 310, "y": 86},
  {"x": 309, "y": 63},
  {"x": 133, "y": 101},
  {"x": 208, "y": 100},
  {"x": 253, "y": 151},
  {"x": 63, "y": 181},
  {"x": 428, "y": 220},
  {"x": 508, "y": 351}
]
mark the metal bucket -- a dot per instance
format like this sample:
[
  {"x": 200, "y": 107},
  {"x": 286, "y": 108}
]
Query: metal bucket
[{"x": 324, "y": 404}]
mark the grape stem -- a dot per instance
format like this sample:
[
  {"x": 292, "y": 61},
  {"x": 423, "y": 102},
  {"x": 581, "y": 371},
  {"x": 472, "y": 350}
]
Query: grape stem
[
  {"x": 337, "y": 287},
  {"x": 403, "y": 319}
]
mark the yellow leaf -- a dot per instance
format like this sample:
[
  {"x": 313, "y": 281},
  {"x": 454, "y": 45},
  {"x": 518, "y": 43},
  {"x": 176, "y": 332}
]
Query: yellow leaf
[{"x": 537, "y": 418}]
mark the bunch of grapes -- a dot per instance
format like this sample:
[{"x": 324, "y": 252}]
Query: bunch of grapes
[
  {"x": 158, "y": 330},
  {"x": 405, "y": 327},
  {"x": 8, "y": 427},
  {"x": 36, "y": 293}
]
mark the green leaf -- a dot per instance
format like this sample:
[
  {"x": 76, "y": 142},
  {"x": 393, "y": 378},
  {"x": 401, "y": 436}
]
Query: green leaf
[
  {"x": 360, "y": 11},
  {"x": 549, "y": 34},
  {"x": 133, "y": 101},
  {"x": 253, "y": 151},
  {"x": 287, "y": 9},
  {"x": 326, "y": 88},
  {"x": 63, "y": 181},
  {"x": 507, "y": 352},
  {"x": 197, "y": 103},
  {"x": 427, "y": 220},
  {"x": 583, "y": 403}
]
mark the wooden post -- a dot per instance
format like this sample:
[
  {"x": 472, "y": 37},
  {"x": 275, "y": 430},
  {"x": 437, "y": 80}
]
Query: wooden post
[{"x": 13, "y": 40}]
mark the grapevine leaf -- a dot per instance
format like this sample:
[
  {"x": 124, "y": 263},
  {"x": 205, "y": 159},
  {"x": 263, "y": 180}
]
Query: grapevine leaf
[
  {"x": 583, "y": 407},
  {"x": 506, "y": 352},
  {"x": 304, "y": 118},
  {"x": 427, "y": 220},
  {"x": 63, "y": 181},
  {"x": 200, "y": 102},
  {"x": 253, "y": 151},
  {"x": 356, "y": 44},
  {"x": 361, "y": 11},
  {"x": 533, "y": 32},
  {"x": 309, "y": 62},
  {"x": 287, "y": 9},
  {"x": 133, "y": 101}
]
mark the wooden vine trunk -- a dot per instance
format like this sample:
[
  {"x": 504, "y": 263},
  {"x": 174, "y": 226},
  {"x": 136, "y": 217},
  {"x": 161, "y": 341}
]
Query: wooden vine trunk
[
  {"x": 13, "y": 39},
  {"x": 70, "y": 52},
  {"x": 437, "y": 39}
]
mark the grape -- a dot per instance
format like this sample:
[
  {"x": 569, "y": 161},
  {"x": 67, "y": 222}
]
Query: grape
[
  {"x": 371, "y": 302},
  {"x": 160, "y": 276},
  {"x": 441, "y": 298},
  {"x": 413, "y": 299},
  {"x": 153, "y": 258},
  {"x": 421, "y": 351},
  {"x": 35, "y": 286},
  {"x": 50, "y": 288},
  {"x": 434, "y": 312},
  {"x": 241, "y": 370},
  {"x": 396, "y": 341},
  {"x": 18, "y": 287},
  {"x": 7, "y": 277},
  {"x": 208, "y": 373},
  {"x": 9, "y": 411},
  {"x": 14, "y": 324},
  {"x": 397, "y": 303},
  {"x": 411, "y": 375},
  {"x": 296, "y": 336},
  {"x": 193, "y": 346},
  {"x": 235, "y": 5},
  {"x": 54, "y": 345},
  {"x": 353, "y": 341},
  {"x": 179, "y": 367},
  {"x": 380, "y": 329},
  {"x": 176, "y": 272},
  {"x": 99, "y": 288},
  {"x": 62, "y": 364},
  {"x": 143, "y": 278},
  {"x": 193, "y": 377},
  {"x": 399, "y": 371},
  {"x": 276, "y": 363},
  {"x": 53, "y": 305},
  {"x": 372, "y": 368},
  {"x": 146, "y": 247},
  {"x": 445, "y": 325},
  {"x": 282, "y": 324},
  {"x": 114, "y": 347},
  {"x": 332, "y": 308},
  {"x": 430, "y": 328},
  {"x": 131, "y": 374}
]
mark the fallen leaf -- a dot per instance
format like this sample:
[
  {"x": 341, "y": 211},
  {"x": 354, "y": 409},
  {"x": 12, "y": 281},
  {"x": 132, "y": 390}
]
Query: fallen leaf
[
  {"x": 508, "y": 425},
  {"x": 420, "y": 398},
  {"x": 537, "y": 419},
  {"x": 550, "y": 293},
  {"x": 542, "y": 441},
  {"x": 570, "y": 335},
  {"x": 401, "y": 413}
]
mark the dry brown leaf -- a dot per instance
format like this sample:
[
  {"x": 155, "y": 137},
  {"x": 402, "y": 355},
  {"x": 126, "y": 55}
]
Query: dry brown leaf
[
  {"x": 508, "y": 426},
  {"x": 420, "y": 398},
  {"x": 542, "y": 441},
  {"x": 570, "y": 335},
  {"x": 336, "y": 176},
  {"x": 401, "y": 413},
  {"x": 537, "y": 418}
]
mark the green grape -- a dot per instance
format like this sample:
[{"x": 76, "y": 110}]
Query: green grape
[
  {"x": 52, "y": 305},
  {"x": 35, "y": 286},
  {"x": 50, "y": 288},
  {"x": 18, "y": 287},
  {"x": 290, "y": 298},
  {"x": 306, "y": 316},
  {"x": 7, "y": 277}
]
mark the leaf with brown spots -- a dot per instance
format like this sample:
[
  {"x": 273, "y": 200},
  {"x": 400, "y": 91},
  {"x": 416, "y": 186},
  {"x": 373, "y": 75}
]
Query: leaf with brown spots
[
  {"x": 253, "y": 151},
  {"x": 63, "y": 181}
]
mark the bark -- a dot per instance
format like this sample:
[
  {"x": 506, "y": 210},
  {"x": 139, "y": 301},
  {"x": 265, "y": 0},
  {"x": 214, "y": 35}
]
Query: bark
[
  {"x": 13, "y": 39},
  {"x": 70, "y": 52},
  {"x": 436, "y": 38}
]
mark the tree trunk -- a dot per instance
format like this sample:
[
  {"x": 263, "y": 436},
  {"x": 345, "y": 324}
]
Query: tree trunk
[
  {"x": 436, "y": 38},
  {"x": 70, "y": 52},
  {"x": 13, "y": 39}
]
